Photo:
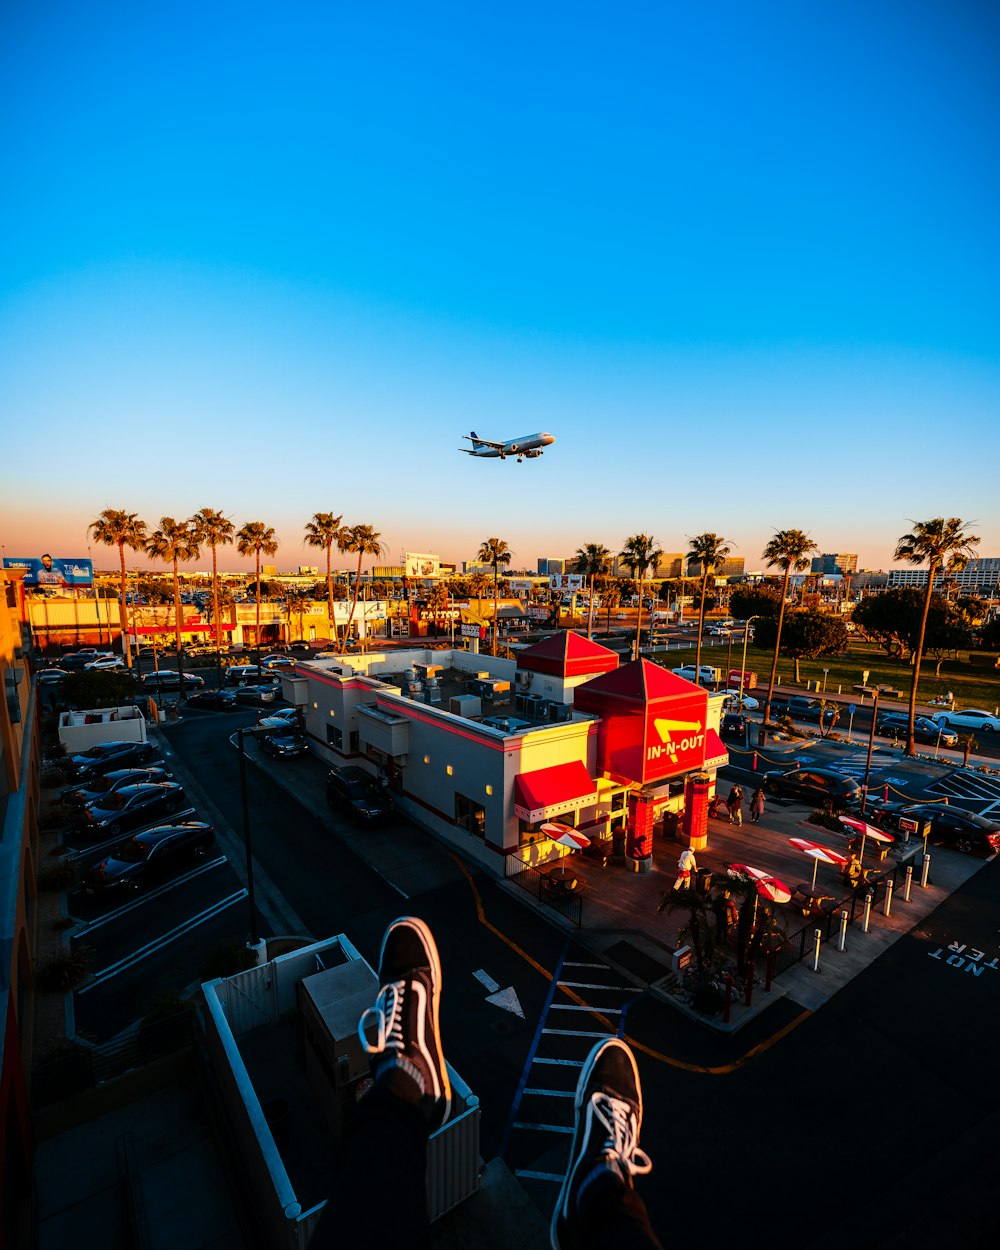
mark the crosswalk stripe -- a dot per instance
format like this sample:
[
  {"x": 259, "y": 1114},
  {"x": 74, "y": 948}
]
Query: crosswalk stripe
[
  {"x": 561, "y": 1063},
  {"x": 543, "y": 1128},
  {"x": 604, "y": 1011},
  {"x": 570, "y": 964},
  {"x": 594, "y": 985},
  {"x": 530, "y": 1175},
  {"x": 575, "y": 1033},
  {"x": 552, "y": 1093}
]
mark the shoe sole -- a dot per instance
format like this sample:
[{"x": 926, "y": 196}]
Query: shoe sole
[
  {"x": 578, "y": 1100},
  {"x": 414, "y": 922}
]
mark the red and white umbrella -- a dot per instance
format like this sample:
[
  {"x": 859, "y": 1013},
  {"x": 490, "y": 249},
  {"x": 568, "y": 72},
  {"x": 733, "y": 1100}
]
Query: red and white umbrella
[
  {"x": 867, "y": 831},
  {"x": 768, "y": 887},
  {"x": 820, "y": 854},
  {"x": 565, "y": 835}
]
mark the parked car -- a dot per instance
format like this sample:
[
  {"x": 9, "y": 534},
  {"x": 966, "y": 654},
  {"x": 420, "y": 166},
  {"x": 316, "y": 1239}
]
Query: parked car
[
  {"x": 284, "y": 718},
  {"x": 734, "y": 725},
  {"x": 283, "y": 745},
  {"x": 52, "y": 678},
  {"x": 212, "y": 700},
  {"x": 170, "y": 679},
  {"x": 105, "y": 663},
  {"x": 749, "y": 703},
  {"x": 97, "y": 787},
  {"x": 709, "y": 675},
  {"x": 896, "y": 724},
  {"x": 272, "y": 662},
  {"x": 801, "y": 708},
  {"x": 300, "y": 645},
  {"x": 149, "y": 856},
  {"x": 244, "y": 674},
  {"x": 77, "y": 661},
  {"x": 820, "y": 786},
  {"x": 358, "y": 793},
  {"x": 965, "y": 831},
  {"x": 105, "y": 756},
  {"x": 970, "y": 718},
  {"x": 130, "y": 807},
  {"x": 258, "y": 696}
]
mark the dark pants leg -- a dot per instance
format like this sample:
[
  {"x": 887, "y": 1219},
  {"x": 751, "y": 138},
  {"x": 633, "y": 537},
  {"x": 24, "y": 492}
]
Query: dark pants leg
[
  {"x": 380, "y": 1196},
  {"x": 613, "y": 1217}
]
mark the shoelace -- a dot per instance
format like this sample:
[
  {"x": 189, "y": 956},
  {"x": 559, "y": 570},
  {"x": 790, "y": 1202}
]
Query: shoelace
[
  {"x": 388, "y": 1015},
  {"x": 620, "y": 1120}
]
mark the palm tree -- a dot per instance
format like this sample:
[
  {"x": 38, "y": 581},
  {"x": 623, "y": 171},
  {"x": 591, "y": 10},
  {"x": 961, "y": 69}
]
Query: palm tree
[
  {"x": 217, "y": 531},
  {"x": 788, "y": 549},
  {"x": 295, "y": 605},
  {"x": 256, "y": 537},
  {"x": 175, "y": 541},
  {"x": 323, "y": 531},
  {"x": 116, "y": 528},
  {"x": 593, "y": 560},
  {"x": 639, "y": 554},
  {"x": 707, "y": 551},
  {"x": 496, "y": 552},
  {"x": 479, "y": 584},
  {"x": 941, "y": 544},
  {"x": 438, "y": 603},
  {"x": 363, "y": 540},
  {"x": 611, "y": 597}
]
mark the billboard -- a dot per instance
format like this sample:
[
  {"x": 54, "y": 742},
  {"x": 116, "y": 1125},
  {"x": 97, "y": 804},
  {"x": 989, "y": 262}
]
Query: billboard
[
  {"x": 566, "y": 581},
  {"x": 46, "y": 570},
  {"x": 416, "y": 564}
]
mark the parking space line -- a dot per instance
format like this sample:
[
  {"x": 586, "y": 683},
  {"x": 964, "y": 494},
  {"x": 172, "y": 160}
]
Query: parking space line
[
  {"x": 544, "y": 1128},
  {"x": 561, "y": 1063},
  {"x": 575, "y": 1033},
  {"x": 552, "y": 1093},
  {"x": 531, "y": 1175},
  {"x": 152, "y": 894},
  {"x": 596, "y": 985},
  {"x": 118, "y": 838},
  {"x": 604, "y": 1011},
  {"x": 129, "y": 961}
]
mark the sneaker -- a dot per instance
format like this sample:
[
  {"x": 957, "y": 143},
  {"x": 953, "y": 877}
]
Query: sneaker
[
  {"x": 608, "y": 1119},
  {"x": 405, "y": 1017}
]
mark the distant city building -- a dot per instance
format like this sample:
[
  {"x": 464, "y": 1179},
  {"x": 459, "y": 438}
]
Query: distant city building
[
  {"x": 308, "y": 570},
  {"x": 835, "y": 562},
  {"x": 547, "y": 565},
  {"x": 979, "y": 577},
  {"x": 732, "y": 566}
]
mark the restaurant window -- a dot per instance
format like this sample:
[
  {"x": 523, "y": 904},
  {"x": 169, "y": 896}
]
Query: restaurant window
[
  {"x": 335, "y": 737},
  {"x": 355, "y": 742},
  {"x": 470, "y": 815}
]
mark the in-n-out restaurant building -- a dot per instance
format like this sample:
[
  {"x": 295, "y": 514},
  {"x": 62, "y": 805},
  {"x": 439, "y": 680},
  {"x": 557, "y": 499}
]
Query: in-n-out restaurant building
[{"x": 484, "y": 750}]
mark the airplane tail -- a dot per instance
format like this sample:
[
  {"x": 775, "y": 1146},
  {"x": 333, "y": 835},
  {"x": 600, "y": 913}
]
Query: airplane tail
[{"x": 476, "y": 440}]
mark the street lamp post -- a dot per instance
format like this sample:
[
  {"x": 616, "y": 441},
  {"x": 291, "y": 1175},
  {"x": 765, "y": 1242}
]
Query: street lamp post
[
  {"x": 743, "y": 666},
  {"x": 247, "y": 839},
  {"x": 868, "y": 761}
]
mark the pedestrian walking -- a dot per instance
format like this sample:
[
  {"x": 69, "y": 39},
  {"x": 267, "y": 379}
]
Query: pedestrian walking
[
  {"x": 757, "y": 805},
  {"x": 735, "y": 805},
  {"x": 686, "y": 865}
]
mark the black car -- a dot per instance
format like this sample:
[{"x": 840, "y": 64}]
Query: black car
[
  {"x": 212, "y": 700},
  {"x": 95, "y": 789},
  {"x": 283, "y": 745},
  {"x": 52, "y": 677},
  {"x": 734, "y": 725},
  {"x": 951, "y": 826},
  {"x": 130, "y": 807},
  {"x": 148, "y": 856},
  {"x": 259, "y": 696},
  {"x": 300, "y": 645},
  {"x": 896, "y": 725},
  {"x": 358, "y": 793},
  {"x": 170, "y": 679},
  {"x": 821, "y": 786},
  {"x": 800, "y": 708},
  {"x": 106, "y": 756}
]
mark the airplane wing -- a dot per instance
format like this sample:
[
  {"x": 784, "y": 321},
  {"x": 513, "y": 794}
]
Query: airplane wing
[{"x": 483, "y": 442}]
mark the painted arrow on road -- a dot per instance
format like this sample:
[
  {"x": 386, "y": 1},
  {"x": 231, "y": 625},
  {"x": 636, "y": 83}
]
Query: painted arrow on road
[{"x": 507, "y": 999}]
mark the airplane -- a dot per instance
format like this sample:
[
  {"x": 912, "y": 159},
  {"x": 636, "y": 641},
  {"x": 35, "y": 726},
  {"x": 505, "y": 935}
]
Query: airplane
[{"x": 529, "y": 445}]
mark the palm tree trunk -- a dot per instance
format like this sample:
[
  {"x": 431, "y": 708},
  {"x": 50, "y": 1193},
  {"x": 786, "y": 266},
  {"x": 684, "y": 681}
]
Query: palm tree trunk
[
  {"x": 918, "y": 656},
  {"x": 496, "y": 572},
  {"x": 329, "y": 590},
  {"x": 638, "y": 619},
  {"x": 215, "y": 597},
  {"x": 777, "y": 644},
  {"x": 590, "y": 610},
  {"x": 257, "y": 640},
  {"x": 354, "y": 604},
  {"x": 701, "y": 627},
  {"x": 123, "y": 611},
  {"x": 177, "y": 611}
]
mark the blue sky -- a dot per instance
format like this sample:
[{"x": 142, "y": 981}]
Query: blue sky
[{"x": 741, "y": 260}]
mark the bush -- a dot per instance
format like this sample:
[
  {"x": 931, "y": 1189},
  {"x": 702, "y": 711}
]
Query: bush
[
  {"x": 825, "y": 820},
  {"x": 60, "y": 973},
  {"x": 59, "y": 878}
]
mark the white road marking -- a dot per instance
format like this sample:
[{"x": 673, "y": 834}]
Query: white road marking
[
  {"x": 508, "y": 1000},
  {"x": 91, "y": 925},
  {"x": 484, "y": 978}
]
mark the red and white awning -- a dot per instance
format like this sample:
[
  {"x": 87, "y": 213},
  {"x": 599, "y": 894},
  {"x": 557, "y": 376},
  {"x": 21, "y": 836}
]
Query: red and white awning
[
  {"x": 716, "y": 755},
  {"x": 549, "y": 792}
]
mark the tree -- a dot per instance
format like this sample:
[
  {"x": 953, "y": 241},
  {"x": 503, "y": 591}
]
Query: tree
[
  {"x": 496, "y": 552},
  {"x": 787, "y": 550},
  {"x": 639, "y": 554},
  {"x": 322, "y": 531},
  {"x": 944, "y": 546},
  {"x": 252, "y": 539},
  {"x": 968, "y": 743},
  {"x": 611, "y": 597},
  {"x": 296, "y": 602},
  {"x": 116, "y": 528},
  {"x": 757, "y": 601},
  {"x": 438, "y": 603},
  {"x": 892, "y": 619},
  {"x": 807, "y": 635},
  {"x": 593, "y": 560},
  {"x": 361, "y": 540},
  {"x": 217, "y": 531},
  {"x": 175, "y": 541},
  {"x": 707, "y": 551}
]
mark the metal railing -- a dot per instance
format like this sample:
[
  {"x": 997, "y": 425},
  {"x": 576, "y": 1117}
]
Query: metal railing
[{"x": 566, "y": 902}]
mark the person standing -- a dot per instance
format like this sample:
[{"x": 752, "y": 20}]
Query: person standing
[
  {"x": 735, "y": 805},
  {"x": 757, "y": 805},
  {"x": 686, "y": 865}
]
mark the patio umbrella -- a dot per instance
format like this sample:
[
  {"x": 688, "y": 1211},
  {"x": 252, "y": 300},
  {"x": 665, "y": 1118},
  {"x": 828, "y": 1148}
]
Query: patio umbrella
[
  {"x": 565, "y": 835},
  {"x": 866, "y": 831},
  {"x": 768, "y": 887},
  {"x": 820, "y": 854}
]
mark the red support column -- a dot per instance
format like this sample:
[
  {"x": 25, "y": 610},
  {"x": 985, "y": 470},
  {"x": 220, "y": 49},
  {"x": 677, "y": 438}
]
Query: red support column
[{"x": 695, "y": 826}]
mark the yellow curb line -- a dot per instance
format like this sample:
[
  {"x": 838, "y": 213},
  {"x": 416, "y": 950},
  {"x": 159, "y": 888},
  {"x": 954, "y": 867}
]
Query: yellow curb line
[{"x": 719, "y": 1070}]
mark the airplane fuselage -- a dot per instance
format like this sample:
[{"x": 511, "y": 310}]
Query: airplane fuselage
[{"x": 528, "y": 445}]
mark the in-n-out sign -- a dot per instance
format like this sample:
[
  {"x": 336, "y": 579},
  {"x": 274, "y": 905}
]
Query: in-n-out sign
[{"x": 676, "y": 737}]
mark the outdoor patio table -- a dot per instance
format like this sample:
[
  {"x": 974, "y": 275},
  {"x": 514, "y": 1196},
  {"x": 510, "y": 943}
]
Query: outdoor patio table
[
  {"x": 560, "y": 876},
  {"x": 810, "y": 898}
]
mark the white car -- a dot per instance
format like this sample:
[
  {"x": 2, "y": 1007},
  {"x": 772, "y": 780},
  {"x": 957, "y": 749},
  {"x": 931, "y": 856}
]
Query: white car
[
  {"x": 106, "y": 662},
  {"x": 969, "y": 718},
  {"x": 750, "y": 704}
]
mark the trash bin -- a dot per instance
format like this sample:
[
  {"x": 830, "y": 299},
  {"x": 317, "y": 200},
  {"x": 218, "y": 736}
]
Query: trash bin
[
  {"x": 703, "y": 880},
  {"x": 761, "y": 736}
]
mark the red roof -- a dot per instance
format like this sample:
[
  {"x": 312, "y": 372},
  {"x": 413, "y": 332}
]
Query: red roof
[
  {"x": 716, "y": 755},
  {"x": 567, "y": 654},
  {"x": 549, "y": 787},
  {"x": 640, "y": 680}
]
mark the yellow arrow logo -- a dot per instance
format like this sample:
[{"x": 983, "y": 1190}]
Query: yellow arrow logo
[{"x": 663, "y": 727}]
